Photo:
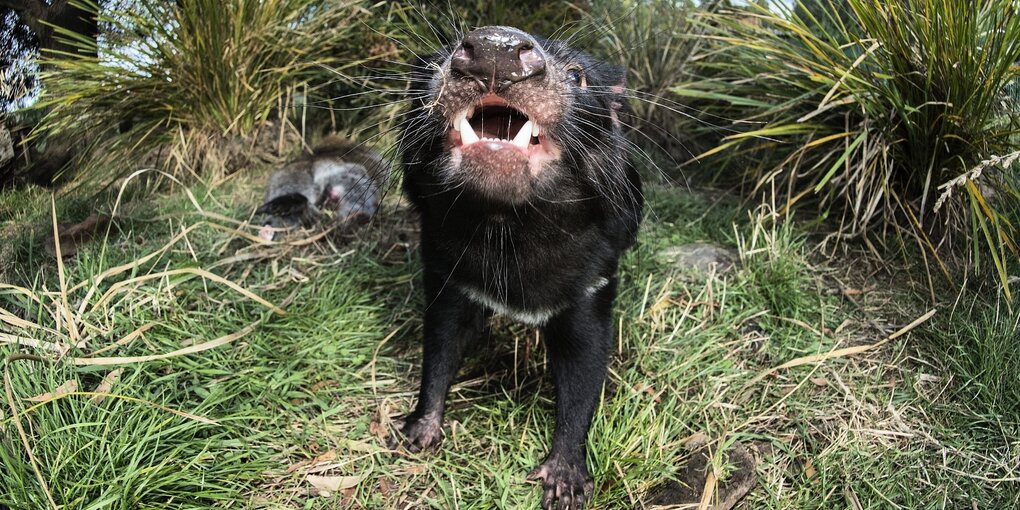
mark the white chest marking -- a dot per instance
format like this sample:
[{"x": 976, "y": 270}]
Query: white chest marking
[{"x": 530, "y": 317}]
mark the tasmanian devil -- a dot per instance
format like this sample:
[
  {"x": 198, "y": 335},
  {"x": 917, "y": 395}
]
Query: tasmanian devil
[
  {"x": 514, "y": 159},
  {"x": 339, "y": 175}
]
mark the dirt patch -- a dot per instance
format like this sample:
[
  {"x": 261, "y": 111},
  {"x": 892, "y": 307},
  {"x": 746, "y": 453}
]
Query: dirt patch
[
  {"x": 72, "y": 237},
  {"x": 700, "y": 486}
]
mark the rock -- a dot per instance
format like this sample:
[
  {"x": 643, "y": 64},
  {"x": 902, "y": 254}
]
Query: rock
[
  {"x": 700, "y": 257},
  {"x": 690, "y": 490}
]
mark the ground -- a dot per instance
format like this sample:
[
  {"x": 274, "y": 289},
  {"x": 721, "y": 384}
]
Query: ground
[{"x": 187, "y": 365}]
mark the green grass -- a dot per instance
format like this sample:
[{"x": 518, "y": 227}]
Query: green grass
[
  {"x": 976, "y": 348},
  {"x": 331, "y": 374}
]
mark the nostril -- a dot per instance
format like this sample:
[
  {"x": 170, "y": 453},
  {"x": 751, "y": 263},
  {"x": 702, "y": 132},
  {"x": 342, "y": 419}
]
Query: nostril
[
  {"x": 532, "y": 62},
  {"x": 464, "y": 51}
]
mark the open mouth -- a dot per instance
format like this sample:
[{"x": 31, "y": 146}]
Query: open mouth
[{"x": 493, "y": 120}]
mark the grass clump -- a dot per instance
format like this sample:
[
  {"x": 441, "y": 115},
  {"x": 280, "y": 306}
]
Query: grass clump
[
  {"x": 540, "y": 17},
  {"x": 889, "y": 117},
  {"x": 200, "y": 86},
  {"x": 971, "y": 389},
  {"x": 774, "y": 266},
  {"x": 122, "y": 451}
]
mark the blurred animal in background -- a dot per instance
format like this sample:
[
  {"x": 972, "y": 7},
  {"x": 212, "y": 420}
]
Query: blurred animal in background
[{"x": 340, "y": 181}]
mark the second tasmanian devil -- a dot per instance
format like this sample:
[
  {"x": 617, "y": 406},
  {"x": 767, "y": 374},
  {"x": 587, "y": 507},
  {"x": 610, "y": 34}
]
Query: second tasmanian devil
[
  {"x": 514, "y": 158},
  {"x": 338, "y": 175}
]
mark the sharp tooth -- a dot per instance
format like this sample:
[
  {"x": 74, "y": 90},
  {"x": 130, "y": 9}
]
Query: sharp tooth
[
  {"x": 535, "y": 129},
  {"x": 523, "y": 138},
  {"x": 461, "y": 117},
  {"x": 467, "y": 133}
]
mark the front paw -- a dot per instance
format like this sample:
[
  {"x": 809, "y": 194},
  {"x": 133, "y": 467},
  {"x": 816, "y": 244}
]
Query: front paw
[
  {"x": 419, "y": 433},
  {"x": 565, "y": 485}
]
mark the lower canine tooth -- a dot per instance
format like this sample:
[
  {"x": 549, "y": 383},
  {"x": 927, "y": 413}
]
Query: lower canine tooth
[{"x": 523, "y": 138}]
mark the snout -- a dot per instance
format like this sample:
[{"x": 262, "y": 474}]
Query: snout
[{"x": 497, "y": 57}]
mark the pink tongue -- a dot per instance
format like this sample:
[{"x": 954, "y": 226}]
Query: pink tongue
[{"x": 266, "y": 233}]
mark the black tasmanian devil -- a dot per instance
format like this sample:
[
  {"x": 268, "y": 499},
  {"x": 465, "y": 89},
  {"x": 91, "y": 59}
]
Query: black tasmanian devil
[{"x": 514, "y": 159}]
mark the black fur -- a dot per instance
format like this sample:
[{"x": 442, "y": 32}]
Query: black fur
[{"x": 553, "y": 248}]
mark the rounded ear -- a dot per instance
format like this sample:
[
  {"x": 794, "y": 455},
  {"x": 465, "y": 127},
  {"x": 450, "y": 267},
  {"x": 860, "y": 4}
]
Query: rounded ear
[
  {"x": 618, "y": 79},
  {"x": 618, "y": 83}
]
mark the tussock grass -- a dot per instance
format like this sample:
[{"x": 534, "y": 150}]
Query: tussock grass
[
  {"x": 201, "y": 86},
  {"x": 889, "y": 117},
  {"x": 657, "y": 41},
  {"x": 976, "y": 346}
]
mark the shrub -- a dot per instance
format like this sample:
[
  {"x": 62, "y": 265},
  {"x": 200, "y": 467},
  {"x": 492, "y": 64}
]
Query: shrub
[{"x": 892, "y": 119}]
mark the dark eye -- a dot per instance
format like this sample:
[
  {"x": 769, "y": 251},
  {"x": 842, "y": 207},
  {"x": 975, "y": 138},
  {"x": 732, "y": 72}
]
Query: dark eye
[{"x": 575, "y": 76}]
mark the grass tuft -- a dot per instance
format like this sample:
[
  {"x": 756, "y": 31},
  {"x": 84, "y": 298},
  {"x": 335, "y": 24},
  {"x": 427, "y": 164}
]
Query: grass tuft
[
  {"x": 889, "y": 117},
  {"x": 977, "y": 346},
  {"x": 200, "y": 86}
]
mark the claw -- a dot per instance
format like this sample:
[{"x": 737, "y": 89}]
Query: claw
[
  {"x": 547, "y": 501},
  {"x": 565, "y": 485},
  {"x": 418, "y": 434}
]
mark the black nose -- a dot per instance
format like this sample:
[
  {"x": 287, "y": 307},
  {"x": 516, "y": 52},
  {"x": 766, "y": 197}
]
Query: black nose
[{"x": 498, "y": 56}]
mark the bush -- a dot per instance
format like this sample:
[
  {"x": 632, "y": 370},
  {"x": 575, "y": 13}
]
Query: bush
[
  {"x": 892, "y": 119},
  {"x": 200, "y": 79}
]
